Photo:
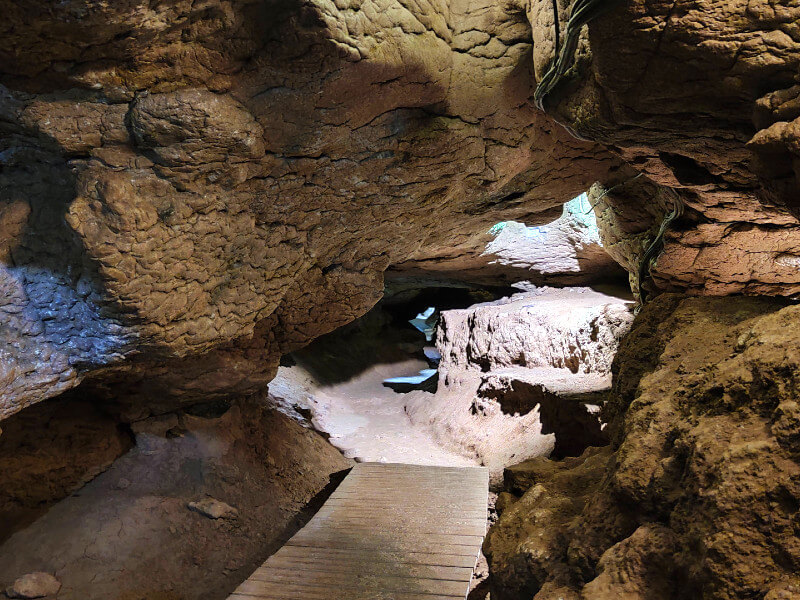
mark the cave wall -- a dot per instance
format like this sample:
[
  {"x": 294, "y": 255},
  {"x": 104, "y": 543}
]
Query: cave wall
[
  {"x": 697, "y": 496},
  {"x": 701, "y": 98},
  {"x": 191, "y": 189}
]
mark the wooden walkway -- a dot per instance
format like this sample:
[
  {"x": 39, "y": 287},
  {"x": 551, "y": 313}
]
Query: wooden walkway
[{"x": 388, "y": 532}]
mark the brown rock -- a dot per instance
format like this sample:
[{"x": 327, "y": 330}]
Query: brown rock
[
  {"x": 225, "y": 205},
  {"x": 504, "y": 501},
  {"x": 700, "y": 496},
  {"x": 678, "y": 101}
]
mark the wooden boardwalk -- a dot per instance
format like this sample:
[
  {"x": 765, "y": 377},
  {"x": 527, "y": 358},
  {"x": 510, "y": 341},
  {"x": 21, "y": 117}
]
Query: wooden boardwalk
[{"x": 388, "y": 532}]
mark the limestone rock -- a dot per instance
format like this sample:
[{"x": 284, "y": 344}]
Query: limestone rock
[
  {"x": 213, "y": 509},
  {"x": 576, "y": 329},
  {"x": 221, "y": 190},
  {"x": 524, "y": 547},
  {"x": 184, "y": 203},
  {"x": 34, "y": 585},
  {"x": 524, "y": 376},
  {"x": 52, "y": 449},
  {"x": 565, "y": 251},
  {"x": 701, "y": 99},
  {"x": 699, "y": 496}
]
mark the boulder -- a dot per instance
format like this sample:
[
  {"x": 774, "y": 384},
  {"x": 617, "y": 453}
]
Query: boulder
[{"x": 34, "y": 585}]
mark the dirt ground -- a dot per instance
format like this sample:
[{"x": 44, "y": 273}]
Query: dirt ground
[
  {"x": 129, "y": 535},
  {"x": 367, "y": 421}
]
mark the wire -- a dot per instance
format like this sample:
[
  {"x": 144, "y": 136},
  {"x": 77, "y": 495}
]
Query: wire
[
  {"x": 611, "y": 189},
  {"x": 581, "y": 13},
  {"x": 655, "y": 247}
]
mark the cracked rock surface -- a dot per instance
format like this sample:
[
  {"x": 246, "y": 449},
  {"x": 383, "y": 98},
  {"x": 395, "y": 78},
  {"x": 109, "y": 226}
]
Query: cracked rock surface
[
  {"x": 190, "y": 190},
  {"x": 701, "y": 98},
  {"x": 697, "y": 496}
]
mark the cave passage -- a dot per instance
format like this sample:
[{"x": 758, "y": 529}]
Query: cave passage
[
  {"x": 460, "y": 377},
  {"x": 440, "y": 373}
]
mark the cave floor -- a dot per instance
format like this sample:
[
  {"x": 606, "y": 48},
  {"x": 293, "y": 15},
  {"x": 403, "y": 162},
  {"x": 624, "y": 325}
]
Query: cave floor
[
  {"x": 368, "y": 421},
  {"x": 130, "y": 534},
  {"x": 388, "y": 530}
]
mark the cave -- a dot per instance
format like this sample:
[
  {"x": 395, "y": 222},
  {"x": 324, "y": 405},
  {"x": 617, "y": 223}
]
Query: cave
[{"x": 534, "y": 263}]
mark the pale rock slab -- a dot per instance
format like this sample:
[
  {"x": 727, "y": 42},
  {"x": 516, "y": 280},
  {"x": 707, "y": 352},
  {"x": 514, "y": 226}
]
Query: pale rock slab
[{"x": 34, "y": 585}]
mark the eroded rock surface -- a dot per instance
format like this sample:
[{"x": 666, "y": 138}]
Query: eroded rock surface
[
  {"x": 523, "y": 376},
  {"x": 192, "y": 190},
  {"x": 51, "y": 450},
  {"x": 699, "y": 496},
  {"x": 701, "y": 98},
  {"x": 565, "y": 251},
  {"x": 576, "y": 329}
]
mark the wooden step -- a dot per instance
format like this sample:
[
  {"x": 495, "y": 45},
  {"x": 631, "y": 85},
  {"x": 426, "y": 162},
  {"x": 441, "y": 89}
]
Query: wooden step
[{"x": 389, "y": 532}]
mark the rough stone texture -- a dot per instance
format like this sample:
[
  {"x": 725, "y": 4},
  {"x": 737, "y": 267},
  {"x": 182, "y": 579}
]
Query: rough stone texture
[
  {"x": 700, "y": 495},
  {"x": 51, "y": 450},
  {"x": 576, "y": 329},
  {"x": 701, "y": 97},
  {"x": 128, "y": 534},
  {"x": 520, "y": 547},
  {"x": 570, "y": 413},
  {"x": 564, "y": 251},
  {"x": 34, "y": 585},
  {"x": 523, "y": 376},
  {"x": 191, "y": 189}
]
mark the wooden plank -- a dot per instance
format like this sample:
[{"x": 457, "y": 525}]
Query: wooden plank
[
  {"x": 382, "y": 515},
  {"x": 399, "y": 530},
  {"x": 394, "y": 569},
  {"x": 380, "y": 556},
  {"x": 470, "y": 549},
  {"x": 292, "y": 592},
  {"x": 346, "y": 509},
  {"x": 389, "y": 532},
  {"x": 386, "y": 539},
  {"x": 426, "y": 525},
  {"x": 302, "y": 590},
  {"x": 353, "y": 579},
  {"x": 386, "y": 501},
  {"x": 425, "y": 469},
  {"x": 389, "y": 504}
]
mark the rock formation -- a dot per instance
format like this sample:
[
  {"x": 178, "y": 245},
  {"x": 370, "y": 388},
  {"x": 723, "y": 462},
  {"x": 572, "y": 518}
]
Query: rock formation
[
  {"x": 566, "y": 251},
  {"x": 190, "y": 190},
  {"x": 516, "y": 371},
  {"x": 698, "y": 495},
  {"x": 699, "y": 97},
  {"x": 197, "y": 186}
]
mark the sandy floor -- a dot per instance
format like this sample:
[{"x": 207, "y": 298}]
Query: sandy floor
[
  {"x": 129, "y": 534},
  {"x": 366, "y": 420}
]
